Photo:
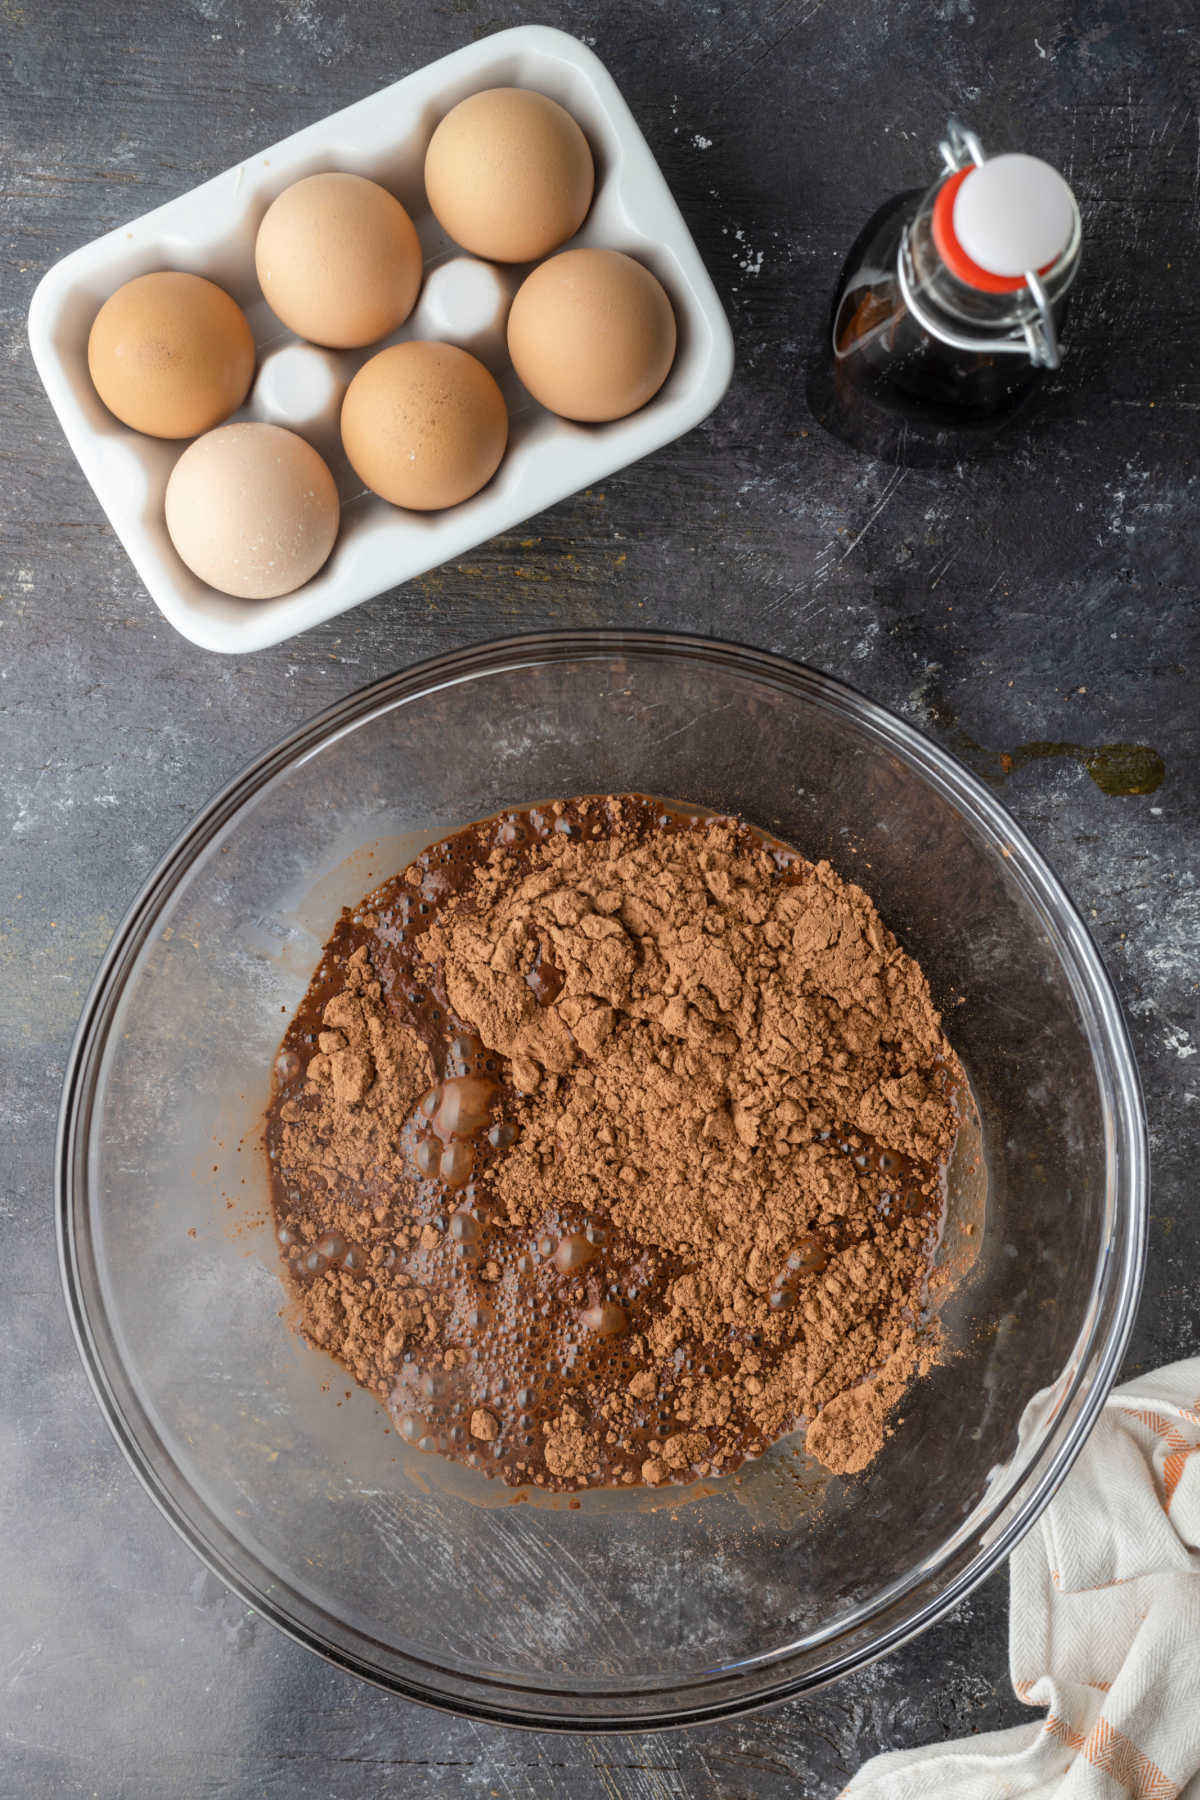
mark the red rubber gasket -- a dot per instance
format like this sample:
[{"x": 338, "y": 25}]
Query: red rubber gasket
[{"x": 952, "y": 252}]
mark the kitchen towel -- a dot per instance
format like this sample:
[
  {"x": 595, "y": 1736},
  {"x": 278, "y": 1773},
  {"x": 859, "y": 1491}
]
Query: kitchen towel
[{"x": 1104, "y": 1626}]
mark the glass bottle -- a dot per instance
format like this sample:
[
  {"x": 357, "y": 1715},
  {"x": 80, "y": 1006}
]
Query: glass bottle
[{"x": 949, "y": 308}]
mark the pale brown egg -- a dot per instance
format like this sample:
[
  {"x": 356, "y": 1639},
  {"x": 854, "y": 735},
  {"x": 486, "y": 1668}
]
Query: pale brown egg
[
  {"x": 252, "y": 510},
  {"x": 509, "y": 174},
  {"x": 591, "y": 334},
  {"x": 171, "y": 354},
  {"x": 424, "y": 425},
  {"x": 338, "y": 260}
]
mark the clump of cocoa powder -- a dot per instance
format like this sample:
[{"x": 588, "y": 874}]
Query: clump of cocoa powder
[
  {"x": 347, "y": 1133},
  {"x": 711, "y": 1051}
]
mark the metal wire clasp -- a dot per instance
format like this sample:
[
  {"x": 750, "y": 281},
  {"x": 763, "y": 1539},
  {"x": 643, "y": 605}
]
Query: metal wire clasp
[{"x": 959, "y": 147}]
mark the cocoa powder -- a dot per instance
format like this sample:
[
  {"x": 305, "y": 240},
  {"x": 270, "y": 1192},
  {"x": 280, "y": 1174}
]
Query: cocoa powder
[
  {"x": 363, "y": 1077},
  {"x": 720, "y": 1100}
]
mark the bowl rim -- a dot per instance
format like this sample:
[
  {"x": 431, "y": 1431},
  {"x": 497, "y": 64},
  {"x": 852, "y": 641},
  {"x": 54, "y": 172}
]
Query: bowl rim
[{"x": 763, "y": 1678}]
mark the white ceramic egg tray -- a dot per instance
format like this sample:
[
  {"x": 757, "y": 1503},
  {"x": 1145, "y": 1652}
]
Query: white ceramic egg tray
[{"x": 211, "y": 231}]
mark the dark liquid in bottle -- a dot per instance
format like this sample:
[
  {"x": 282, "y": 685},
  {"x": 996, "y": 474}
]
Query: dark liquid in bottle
[{"x": 882, "y": 384}]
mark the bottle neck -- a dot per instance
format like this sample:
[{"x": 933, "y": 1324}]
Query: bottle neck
[{"x": 1021, "y": 321}]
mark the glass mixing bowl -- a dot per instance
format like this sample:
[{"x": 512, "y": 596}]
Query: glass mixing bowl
[{"x": 285, "y": 1478}]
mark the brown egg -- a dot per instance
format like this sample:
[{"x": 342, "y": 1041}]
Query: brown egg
[
  {"x": 338, "y": 260},
  {"x": 252, "y": 510},
  {"x": 509, "y": 174},
  {"x": 592, "y": 334},
  {"x": 171, "y": 354},
  {"x": 424, "y": 425}
]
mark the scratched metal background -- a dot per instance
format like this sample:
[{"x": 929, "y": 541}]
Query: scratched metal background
[{"x": 1043, "y": 598}]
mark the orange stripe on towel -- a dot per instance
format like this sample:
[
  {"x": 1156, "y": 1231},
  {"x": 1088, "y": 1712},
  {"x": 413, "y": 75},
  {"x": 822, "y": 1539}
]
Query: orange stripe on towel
[
  {"x": 1178, "y": 1447},
  {"x": 1165, "y": 1428},
  {"x": 1110, "y": 1750},
  {"x": 1060, "y": 1729}
]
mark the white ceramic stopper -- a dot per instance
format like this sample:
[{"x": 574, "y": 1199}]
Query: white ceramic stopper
[{"x": 1014, "y": 213}]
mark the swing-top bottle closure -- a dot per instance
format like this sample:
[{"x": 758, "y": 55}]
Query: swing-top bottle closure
[{"x": 991, "y": 251}]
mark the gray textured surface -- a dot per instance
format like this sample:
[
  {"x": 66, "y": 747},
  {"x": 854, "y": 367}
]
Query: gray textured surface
[{"x": 1047, "y": 595}]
